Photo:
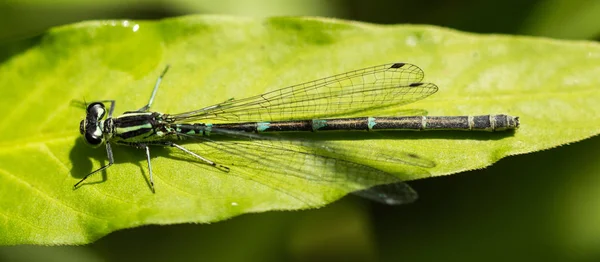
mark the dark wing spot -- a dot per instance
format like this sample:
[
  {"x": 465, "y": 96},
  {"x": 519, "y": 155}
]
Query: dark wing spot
[{"x": 397, "y": 65}]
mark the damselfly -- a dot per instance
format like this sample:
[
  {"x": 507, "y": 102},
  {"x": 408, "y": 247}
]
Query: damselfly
[{"x": 318, "y": 105}]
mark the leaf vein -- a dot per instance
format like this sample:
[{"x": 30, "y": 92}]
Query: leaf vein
[
  {"x": 47, "y": 195},
  {"x": 16, "y": 217}
]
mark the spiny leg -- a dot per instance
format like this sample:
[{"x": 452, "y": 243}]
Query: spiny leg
[
  {"x": 147, "y": 149},
  {"x": 205, "y": 160},
  {"x": 158, "y": 80},
  {"x": 110, "y": 162},
  {"x": 149, "y": 167}
]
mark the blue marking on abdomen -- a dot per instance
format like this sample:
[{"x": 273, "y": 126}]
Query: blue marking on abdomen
[
  {"x": 207, "y": 129},
  {"x": 371, "y": 122},
  {"x": 318, "y": 124},
  {"x": 262, "y": 126}
]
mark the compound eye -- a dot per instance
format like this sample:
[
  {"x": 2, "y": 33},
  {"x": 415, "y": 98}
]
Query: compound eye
[
  {"x": 92, "y": 139},
  {"x": 97, "y": 110},
  {"x": 82, "y": 127}
]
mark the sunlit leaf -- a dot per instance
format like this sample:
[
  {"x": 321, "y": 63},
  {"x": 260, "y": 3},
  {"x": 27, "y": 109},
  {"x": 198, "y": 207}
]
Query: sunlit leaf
[{"x": 551, "y": 85}]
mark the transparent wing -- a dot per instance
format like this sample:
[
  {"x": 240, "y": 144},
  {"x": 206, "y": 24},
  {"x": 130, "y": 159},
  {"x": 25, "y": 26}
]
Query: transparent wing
[
  {"x": 307, "y": 170},
  {"x": 343, "y": 94}
]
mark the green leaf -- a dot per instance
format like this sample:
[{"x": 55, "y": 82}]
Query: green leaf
[{"x": 551, "y": 85}]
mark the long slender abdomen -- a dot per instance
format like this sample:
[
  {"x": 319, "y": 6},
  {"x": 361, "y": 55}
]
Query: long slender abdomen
[
  {"x": 414, "y": 123},
  {"x": 466, "y": 123}
]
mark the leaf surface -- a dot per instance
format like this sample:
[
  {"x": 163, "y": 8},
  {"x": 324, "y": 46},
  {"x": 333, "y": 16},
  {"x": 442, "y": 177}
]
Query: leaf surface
[{"x": 551, "y": 85}]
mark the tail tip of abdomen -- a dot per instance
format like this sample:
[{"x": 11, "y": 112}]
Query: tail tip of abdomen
[{"x": 512, "y": 122}]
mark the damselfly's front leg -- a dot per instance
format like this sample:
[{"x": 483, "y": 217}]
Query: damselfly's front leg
[{"x": 109, "y": 153}]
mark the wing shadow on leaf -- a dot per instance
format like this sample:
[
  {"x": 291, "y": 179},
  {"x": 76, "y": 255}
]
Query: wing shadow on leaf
[{"x": 305, "y": 169}]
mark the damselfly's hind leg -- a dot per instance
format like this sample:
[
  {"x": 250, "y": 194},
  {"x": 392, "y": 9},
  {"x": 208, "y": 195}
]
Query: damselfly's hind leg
[
  {"x": 203, "y": 159},
  {"x": 146, "y": 108}
]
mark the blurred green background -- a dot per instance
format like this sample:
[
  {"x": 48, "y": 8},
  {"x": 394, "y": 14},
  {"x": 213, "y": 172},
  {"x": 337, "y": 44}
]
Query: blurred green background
[
  {"x": 568, "y": 19},
  {"x": 537, "y": 207}
]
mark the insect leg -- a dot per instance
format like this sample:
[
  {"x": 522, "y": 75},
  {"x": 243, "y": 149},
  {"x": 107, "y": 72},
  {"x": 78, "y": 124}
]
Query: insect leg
[
  {"x": 147, "y": 149},
  {"x": 205, "y": 160},
  {"x": 109, "y": 153},
  {"x": 158, "y": 80},
  {"x": 149, "y": 167}
]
